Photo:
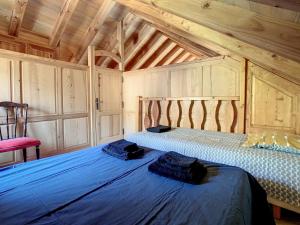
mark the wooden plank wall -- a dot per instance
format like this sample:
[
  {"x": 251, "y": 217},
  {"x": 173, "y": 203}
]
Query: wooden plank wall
[
  {"x": 273, "y": 103},
  {"x": 219, "y": 76},
  {"x": 57, "y": 94}
]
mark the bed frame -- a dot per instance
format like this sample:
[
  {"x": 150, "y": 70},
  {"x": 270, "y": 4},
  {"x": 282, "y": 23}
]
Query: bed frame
[{"x": 150, "y": 112}]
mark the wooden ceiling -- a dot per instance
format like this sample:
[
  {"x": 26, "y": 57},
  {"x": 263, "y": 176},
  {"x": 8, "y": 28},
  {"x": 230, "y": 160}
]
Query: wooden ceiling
[{"x": 63, "y": 29}]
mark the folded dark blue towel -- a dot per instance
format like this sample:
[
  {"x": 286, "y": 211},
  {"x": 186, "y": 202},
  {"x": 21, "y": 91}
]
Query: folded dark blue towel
[
  {"x": 120, "y": 154},
  {"x": 174, "y": 160},
  {"x": 159, "y": 129},
  {"x": 124, "y": 145},
  {"x": 179, "y": 167}
]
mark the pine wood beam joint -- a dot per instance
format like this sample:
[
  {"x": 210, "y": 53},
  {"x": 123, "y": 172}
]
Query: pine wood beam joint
[
  {"x": 62, "y": 21},
  {"x": 17, "y": 17}
]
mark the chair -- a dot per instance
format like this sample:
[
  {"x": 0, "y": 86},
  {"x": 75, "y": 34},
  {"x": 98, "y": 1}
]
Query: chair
[{"x": 10, "y": 123}]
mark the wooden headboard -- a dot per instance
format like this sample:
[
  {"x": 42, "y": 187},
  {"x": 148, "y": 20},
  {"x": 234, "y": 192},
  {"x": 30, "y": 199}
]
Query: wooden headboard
[{"x": 206, "y": 113}]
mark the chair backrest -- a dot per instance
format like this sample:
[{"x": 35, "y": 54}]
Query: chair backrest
[{"x": 12, "y": 113}]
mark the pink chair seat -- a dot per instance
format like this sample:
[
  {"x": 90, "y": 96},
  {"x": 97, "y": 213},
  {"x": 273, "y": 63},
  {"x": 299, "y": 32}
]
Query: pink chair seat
[{"x": 18, "y": 143}]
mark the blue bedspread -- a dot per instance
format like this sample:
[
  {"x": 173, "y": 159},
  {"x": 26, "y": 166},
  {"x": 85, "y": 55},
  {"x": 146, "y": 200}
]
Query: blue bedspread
[{"x": 90, "y": 187}]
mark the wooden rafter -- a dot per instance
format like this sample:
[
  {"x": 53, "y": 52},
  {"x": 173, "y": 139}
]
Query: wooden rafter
[
  {"x": 284, "y": 4},
  {"x": 256, "y": 29},
  {"x": 159, "y": 55},
  {"x": 145, "y": 35},
  {"x": 111, "y": 42},
  {"x": 183, "y": 58},
  {"x": 187, "y": 44},
  {"x": 108, "y": 54},
  {"x": 265, "y": 44},
  {"x": 121, "y": 40},
  {"x": 63, "y": 19},
  {"x": 17, "y": 17},
  {"x": 150, "y": 50},
  {"x": 168, "y": 55},
  {"x": 193, "y": 44},
  {"x": 172, "y": 57},
  {"x": 178, "y": 58},
  {"x": 94, "y": 27},
  {"x": 190, "y": 58}
]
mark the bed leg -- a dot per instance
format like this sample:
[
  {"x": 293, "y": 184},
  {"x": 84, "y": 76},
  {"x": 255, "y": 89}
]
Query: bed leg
[{"x": 276, "y": 212}]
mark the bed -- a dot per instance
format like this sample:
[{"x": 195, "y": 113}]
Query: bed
[
  {"x": 277, "y": 172},
  {"x": 209, "y": 133},
  {"x": 90, "y": 187}
]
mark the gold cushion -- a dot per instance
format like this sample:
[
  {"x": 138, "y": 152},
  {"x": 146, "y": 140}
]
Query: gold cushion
[
  {"x": 273, "y": 141},
  {"x": 251, "y": 141}
]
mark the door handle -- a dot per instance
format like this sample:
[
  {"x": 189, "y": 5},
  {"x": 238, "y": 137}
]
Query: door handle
[{"x": 97, "y": 104}]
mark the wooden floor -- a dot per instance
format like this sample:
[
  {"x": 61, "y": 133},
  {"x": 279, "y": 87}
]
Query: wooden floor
[{"x": 289, "y": 218}]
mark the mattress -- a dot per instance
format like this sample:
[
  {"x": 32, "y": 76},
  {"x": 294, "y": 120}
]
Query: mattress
[
  {"x": 277, "y": 172},
  {"x": 90, "y": 187}
]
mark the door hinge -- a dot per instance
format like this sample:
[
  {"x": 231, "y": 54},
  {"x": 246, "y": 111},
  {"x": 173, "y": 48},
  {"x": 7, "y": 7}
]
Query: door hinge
[
  {"x": 122, "y": 105},
  {"x": 123, "y": 132}
]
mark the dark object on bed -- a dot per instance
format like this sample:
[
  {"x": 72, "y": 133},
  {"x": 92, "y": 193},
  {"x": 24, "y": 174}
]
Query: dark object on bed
[
  {"x": 124, "y": 150},
  {"x": 124, "y": 145},
  {"x": 90, "y": 187},
  {"x": 179, "y": 167},
  {"x": 159, "y": 129}
]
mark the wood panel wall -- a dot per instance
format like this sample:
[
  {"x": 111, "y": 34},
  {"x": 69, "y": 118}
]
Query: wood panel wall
[
  {"x": 57, "y": 95},
  {"x": 220, "y": 76},
  {"x": 273, "y": 103}
]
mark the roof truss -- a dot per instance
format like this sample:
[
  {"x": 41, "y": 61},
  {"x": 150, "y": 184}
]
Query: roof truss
[{"x": 196, "y": 18}]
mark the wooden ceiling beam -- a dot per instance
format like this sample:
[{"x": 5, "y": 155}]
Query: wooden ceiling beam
[
  {"x": 190, "y": 58},
  {"x": 168, "y": 55},
  {"x": 154, "y": 46},
  {"x": 93, "y": 29},
  {"x": 108, "y": 54},
  {"x": 62, "y": 21},
  {"x": 254, "y": 37},
  {"x": 178, "y": 57},
  {"x": 111, "y": 42},
  {"x": 121, "y": 44},
  {"x": 158, "y": 57},
  {"x": 156, "y": 53},
  {"x": 183, "y": 58},
  {"x": 193, "y": 44},
  {"x": 173, "y": 57},
  {"x": 266, "y": 33},
  {"x": 293, "y": 5},
  {"x": 144, "y": 36},
  {"x": 17, "y": 17},
  {"x": 186, "y": 43}
]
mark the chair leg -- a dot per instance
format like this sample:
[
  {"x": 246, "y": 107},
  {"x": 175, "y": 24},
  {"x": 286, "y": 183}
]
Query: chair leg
[
  {"x": 24, "y": 154},
  {"x": 37, "y": 151}
]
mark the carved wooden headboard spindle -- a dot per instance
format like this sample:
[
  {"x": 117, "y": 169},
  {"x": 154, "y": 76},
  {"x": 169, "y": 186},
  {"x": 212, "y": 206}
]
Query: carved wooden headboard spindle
[{"x": 150, "y": 112}]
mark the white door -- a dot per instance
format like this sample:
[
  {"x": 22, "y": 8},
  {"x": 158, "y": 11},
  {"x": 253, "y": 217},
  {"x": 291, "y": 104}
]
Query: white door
[{"x": 108, "y": 105}]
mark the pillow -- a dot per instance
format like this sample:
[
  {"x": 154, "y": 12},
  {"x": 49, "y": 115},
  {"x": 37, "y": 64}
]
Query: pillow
[
  {"x": 276, "y": 141},
  {"x": 251, "y": 141}
]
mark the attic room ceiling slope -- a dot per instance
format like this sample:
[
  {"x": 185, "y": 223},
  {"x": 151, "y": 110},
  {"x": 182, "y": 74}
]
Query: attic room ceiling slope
[
  {"x": 63, "y": 29},
  {"x": 156, "y": 32},
  {"x": 273, "y": 43}
]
